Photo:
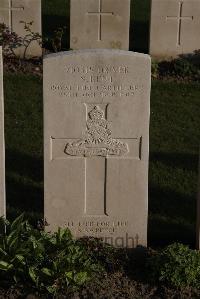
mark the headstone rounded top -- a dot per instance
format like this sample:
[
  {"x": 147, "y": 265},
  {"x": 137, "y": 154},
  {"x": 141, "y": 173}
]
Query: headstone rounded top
[{"x": 107, "y": 52}]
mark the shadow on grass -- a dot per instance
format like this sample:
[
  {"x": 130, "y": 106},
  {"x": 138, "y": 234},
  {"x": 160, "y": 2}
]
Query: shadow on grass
[
  {"x": 163, "y": 231},
  {"x": 24, "y": 185},
  {"x": 169, "y": 203},
  {"x": 24, "y": 165},
  {"x": 186, "y": 161},
  {"x": 172, "y": 213},
  {"x": 23, "y": 198}
]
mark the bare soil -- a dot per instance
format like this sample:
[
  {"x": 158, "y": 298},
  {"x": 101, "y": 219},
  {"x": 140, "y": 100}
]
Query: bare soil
[
  {"x": 14, "y": 65},
  {"x": 112, "y": 286}
]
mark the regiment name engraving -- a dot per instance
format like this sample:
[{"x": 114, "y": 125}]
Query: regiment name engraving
[{"x": 95, "y": 81}]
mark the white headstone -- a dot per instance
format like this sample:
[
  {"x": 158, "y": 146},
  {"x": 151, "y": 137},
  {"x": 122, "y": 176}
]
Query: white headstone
[
  {"x": 12, "y": 12},
  {"x": 2, "y": 146},
  {"x": 100, "y": 24},
  {"x": 96, "y": 130},
  {"x": 175, "y": 26},
  {"x": 198, "y": 209}
]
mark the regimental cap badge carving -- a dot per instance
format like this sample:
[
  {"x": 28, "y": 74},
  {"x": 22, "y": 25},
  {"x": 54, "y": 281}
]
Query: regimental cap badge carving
[
  {"x": 96, "y": 113},
  {"x": 97, "y": 140}
]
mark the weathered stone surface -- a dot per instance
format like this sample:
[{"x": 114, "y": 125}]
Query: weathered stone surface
[
  {"x": 15, "y": 11},
  {"x": 198, "y": 210},
  {"x": 2, "y": 146},
  {"x": 100, "y": 24},
  {"x": 175, "y": 27},
  {"x": 96, "y": 130}
]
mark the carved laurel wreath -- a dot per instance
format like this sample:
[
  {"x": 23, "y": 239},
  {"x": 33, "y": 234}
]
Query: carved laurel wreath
[{"x": 97, "y": 140}]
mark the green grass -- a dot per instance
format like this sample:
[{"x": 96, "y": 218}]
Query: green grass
[
  {"x": 24, "y": 152},
  {"x": 174, "y": 144},
  {"x": 174, "y": 140}
]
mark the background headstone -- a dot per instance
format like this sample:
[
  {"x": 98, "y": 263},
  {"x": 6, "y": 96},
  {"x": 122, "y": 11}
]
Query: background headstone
[
  {"x": 2, "y": 147},
  {"x": 175, "y": 27},
  {"x": 12, "y": 12},
  {"x": 198, "y": 209},
  {"x": 100, "y": 24},
  {"x": 96, "y": 130}
]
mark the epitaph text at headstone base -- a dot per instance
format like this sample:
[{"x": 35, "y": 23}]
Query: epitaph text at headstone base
[
  {"x": 14, "y": 13},
  {"x": 100, "y": 24},
  {"x": 96, "y": 130},
  {"x": 2, "y": 144},
  {"x": 174, "y": 27}
]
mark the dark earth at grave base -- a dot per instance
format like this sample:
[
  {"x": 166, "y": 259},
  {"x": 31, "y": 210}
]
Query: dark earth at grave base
[
  {"x": 13, "y": 65},
  {"x": 180, "y": 69},
  {"x": 124, "y": 278},
  {"x": 112, "y": 286}
]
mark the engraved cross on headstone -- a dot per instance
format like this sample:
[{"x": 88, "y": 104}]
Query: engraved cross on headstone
[
  {"x": 96, "y": 147},
  {"x": 180, "y": 18},
  {"x": 99, "y": 14},
  {"x": 10, "y": 9}
]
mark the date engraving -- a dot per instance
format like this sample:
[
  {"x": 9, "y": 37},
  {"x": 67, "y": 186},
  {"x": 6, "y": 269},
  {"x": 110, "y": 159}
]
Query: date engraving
[{"x": 90, "y": 82}]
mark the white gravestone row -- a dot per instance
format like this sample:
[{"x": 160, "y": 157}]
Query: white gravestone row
[
  {"x": 13, "y": 12},
  {"x": 175, "y": 26},
  {"x": 2, "y": 149},
  {"x": 96, "y": 130},
  {"x": 105, "y": 24},
  {"x": 94, "y": 23}
]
